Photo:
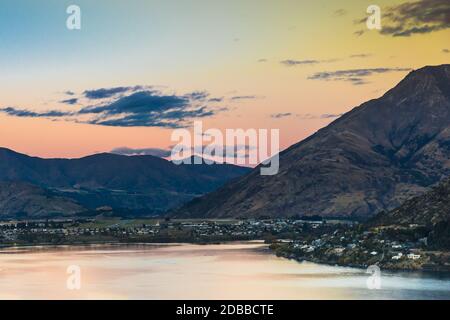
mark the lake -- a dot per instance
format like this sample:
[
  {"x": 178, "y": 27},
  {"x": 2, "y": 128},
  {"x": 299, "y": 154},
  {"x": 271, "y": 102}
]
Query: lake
[{"x": 185, "y": 271}]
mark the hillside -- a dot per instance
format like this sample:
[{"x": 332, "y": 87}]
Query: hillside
[
  {"x": 18, "y": 199},
  {"x": 141, "y": 184},
  {"x": 371, "y": 159}
]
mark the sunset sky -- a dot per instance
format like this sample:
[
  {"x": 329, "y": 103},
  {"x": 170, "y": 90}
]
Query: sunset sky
[{"x": 289, "y": 64}]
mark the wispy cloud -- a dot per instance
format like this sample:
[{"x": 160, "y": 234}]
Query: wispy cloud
[
  {"x": 340, "y": 12},
  {"x": 71, "y": 101},
  {"x": 361, "y": 55},
  {"x": 281, "y": 115},
  {"x": 414, "y": 17},
  {"x": 146, "y": 108},
  {"x": 307, "y": 116},
  {"x": 295, "y": 62},
  {"x": 156, "y": 152},
  {"x": 310, "y": 116},
  {"x": 103, "y": 93},
  {"x": 292, "y": 63},
  {"x": 445, "y": 50},
  {"x": 248, "y": 97},
  {"x": 355, "y": 76}
]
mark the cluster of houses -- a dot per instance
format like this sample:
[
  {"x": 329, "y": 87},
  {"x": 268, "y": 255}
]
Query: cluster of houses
[
  {"x": 199, "y": 229},
  {"x": 364, "y": 245}
]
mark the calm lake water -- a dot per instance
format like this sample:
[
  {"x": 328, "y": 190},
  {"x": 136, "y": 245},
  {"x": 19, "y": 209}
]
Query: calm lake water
[{"x": 227, "y": 271}]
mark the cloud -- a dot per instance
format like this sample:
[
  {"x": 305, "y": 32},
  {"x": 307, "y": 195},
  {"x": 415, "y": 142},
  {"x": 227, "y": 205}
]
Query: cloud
[
  {"x": 360, "y": 55},
  {"x": 262, "y": 60},
  {"x": 445, "y": 50},
  {"x": 414, "y": 17},
  {"x": 243, "y": 97},
  {"x": 280, "y": 115},
  {"x": 103, "y": 93},
  {"x": 70, "y": 101},
  {"x": 156, "y": 152},
  {"x": 137, "y": 109},
  {"x": 330, "y": 115},
  {"x": 69, "y": 93},
  {"x": 307, "y": 116},
  {"x": 310, "y": 116},
  {"x": 235, "y": 151},
  {"x": 340, "y": 12},
  {"x": 11, "y": 111},
  {"x": 355, "y": 76},
  {"x": 292, "y": 63}
]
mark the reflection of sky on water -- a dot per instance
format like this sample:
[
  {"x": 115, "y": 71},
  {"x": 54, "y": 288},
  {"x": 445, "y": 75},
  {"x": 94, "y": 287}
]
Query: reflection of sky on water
[{"x": 232, "y": 271}]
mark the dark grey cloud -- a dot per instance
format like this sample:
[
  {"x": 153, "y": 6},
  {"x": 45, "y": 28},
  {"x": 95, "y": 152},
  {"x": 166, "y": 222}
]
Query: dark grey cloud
[
  {"x": 355, "y": 76},
  {"x": 71, "y": 101},
  {"x": 103, "y": 93},
  {"x": 445, "y": 50},
  {"x": 413, "y": 17},
  {"x": 69, "y": 93},
  {"x": 157, "y": 152},
  {"x": 280, "y": 115},
  {"x": 138, "y": 109}
]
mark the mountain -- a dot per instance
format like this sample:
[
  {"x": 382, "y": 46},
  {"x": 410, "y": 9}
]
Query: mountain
[
  {"x": 430, "y": 211},
  {"x": 431, "y": 208},
  {"x": 19, "y": 199},
  {"x": 371, "y": 159},
  {"x": 140, "y": 184}
]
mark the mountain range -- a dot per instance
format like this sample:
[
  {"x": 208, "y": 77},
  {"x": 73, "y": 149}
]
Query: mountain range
[
  {"x": 31, "y": 186},
  {"x": 371, "y": 159}
]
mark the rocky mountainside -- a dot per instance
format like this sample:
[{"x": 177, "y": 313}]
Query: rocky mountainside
[
  {"x": 431, "y": 208},
  {"x": 371, "y": 159},
  {"x": 142, "y": 184}
]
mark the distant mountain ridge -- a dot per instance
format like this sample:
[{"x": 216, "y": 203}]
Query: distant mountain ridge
[
  {"x": 144, "y": 184},
  {"x": 371, "y": 159}
]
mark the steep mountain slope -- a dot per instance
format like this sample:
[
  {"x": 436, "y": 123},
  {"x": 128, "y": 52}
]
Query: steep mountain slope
[
  {"x": 18, "y": 199},
  {"x": 144, "y": 184},
  {"x": 431, "y": 208},
  {"x": 371, "y": 159}
]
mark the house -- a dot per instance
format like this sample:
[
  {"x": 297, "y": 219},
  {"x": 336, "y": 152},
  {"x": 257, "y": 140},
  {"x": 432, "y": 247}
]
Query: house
[
  {"x": 398, "y": 256},
  {"x": 413, "y": 256}
]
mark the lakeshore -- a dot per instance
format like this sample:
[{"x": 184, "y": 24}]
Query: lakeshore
[
  {"x": 332, "y": 242},
  {"x": 187, "y": 271}
]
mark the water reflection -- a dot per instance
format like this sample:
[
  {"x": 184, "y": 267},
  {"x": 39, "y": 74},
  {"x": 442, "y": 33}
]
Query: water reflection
[{"x": 229, "y": 271}]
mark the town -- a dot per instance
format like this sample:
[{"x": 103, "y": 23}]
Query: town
[{"x": 335, "y": 242}]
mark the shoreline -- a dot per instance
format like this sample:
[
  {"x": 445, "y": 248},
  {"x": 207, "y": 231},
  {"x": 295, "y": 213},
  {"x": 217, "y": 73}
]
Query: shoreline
[{"x": 267, "y": 250}]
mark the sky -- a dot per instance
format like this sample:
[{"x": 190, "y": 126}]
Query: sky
[{"x": 138, "y": 69}]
